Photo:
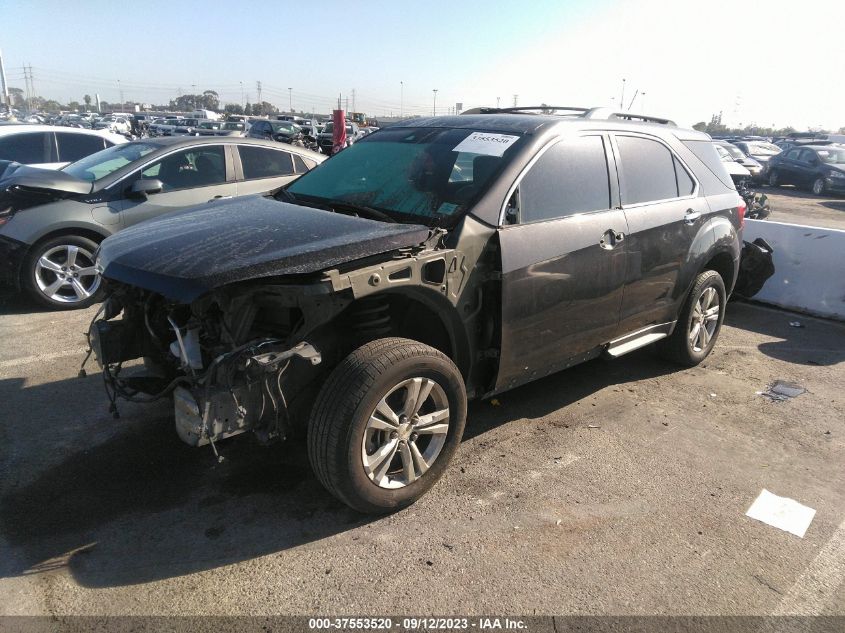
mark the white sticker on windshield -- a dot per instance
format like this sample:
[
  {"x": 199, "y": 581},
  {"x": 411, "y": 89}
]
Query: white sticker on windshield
[{"x": 484, "y": 143}]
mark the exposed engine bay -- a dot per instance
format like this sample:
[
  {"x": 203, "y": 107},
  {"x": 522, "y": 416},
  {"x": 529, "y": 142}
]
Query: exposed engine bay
[{"x": 232, "y": 361}]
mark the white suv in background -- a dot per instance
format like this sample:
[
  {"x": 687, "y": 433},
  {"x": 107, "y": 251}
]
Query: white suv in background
[{"x": 52, "y": 147}]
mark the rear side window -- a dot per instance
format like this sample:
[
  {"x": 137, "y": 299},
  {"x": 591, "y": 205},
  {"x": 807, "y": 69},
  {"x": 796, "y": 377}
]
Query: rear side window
[
  {"x": 705, "y": 151},
  {"x": 263, "y": 162},
  {"x": 299, "y": 164},
  {"x": 72, "y": 147},
  {"x": 648, "y": 170},
  {"x": 571, "y": 177},
  {"x": 27, "y": 149}
]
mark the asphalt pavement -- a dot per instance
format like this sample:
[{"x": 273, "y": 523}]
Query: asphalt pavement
[{"x": 616, "y": 487}]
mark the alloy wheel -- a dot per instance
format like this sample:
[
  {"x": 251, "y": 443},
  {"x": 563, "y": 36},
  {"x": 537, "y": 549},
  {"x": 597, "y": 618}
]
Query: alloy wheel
[
  {"x": 405, "y": 433},
  {"x": 67, "y": 274},
  {"x": 818, "y": 186},
  {"x": 704, "y": 319}
]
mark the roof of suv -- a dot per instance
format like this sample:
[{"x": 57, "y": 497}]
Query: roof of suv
[{"x": 524, "y": 123}]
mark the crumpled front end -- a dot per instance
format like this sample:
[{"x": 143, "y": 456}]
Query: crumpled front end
[{"x": 233, "y": 361}]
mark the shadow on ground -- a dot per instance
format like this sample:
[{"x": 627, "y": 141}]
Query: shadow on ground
[
  {"x": 141, "y": 506},
  {"x": 813, "y": 342}
]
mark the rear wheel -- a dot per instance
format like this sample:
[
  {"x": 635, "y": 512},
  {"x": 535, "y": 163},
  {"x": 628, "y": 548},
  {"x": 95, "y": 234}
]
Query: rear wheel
[
  {"x": 60, "y": 273},
  {"x": 818, "y": 187},
  {"x": 701, "y": 320},
  {"x": 386, "y": 424}
]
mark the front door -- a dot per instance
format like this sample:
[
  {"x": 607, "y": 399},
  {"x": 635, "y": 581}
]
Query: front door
[
  {"x": 189, "y": 178},
  {"x": 563, "y": 261}
]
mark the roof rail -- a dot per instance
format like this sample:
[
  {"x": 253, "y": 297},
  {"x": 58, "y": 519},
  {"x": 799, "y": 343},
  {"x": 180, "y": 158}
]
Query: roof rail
[
  {"x": 584, "y": 113},
  {"x": 608, "y": 113},
  {"x": 543, "y": 109}
]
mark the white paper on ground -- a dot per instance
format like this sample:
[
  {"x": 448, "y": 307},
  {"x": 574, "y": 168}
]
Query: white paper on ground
[
  {"x": 485, "y": 144},
  {"x": 780, "y": 512}
]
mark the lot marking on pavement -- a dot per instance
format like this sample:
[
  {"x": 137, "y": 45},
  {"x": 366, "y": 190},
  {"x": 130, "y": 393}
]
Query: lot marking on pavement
[
  {"x": 820, "y": 580},
  {"x": 38, "y": 358}
]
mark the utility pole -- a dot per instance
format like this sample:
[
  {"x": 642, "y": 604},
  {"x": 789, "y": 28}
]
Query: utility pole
[
  {"x": 354, "y": 109},
  {"x": 622, "y": 98},
  {"x": 515, "y": 100},
  {"x": 642, "y": 101},
  {"x": 346, "y": 102},
  {"x": 401, "y": 99},
  {"x": 339, "y": 97},
  {"x": 290, "y": 98},
  {"x": 242, "y": 94},
  {"x": 258, "y": 88},
  {"x": 120, "y": 89},
  {"x": 497, "y": 102},
  {"x": 434, "y": 109},
  {"x": 4, "y": 88}
]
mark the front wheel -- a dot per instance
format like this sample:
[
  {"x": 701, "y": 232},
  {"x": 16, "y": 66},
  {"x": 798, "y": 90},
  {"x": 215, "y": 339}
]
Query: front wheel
[
  {"x": 700, "y": 321},
  {"x": 60, "y": 273},
  {"x": 386, "y": 424},
  {"x": 818, "y": 187}
]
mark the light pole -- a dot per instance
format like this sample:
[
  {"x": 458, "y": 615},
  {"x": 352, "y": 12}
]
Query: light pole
[
  {"x": 401, "y": 99},
  {"x": 242, "y": 94},
  {"x": 290, "y": 97},
  {"x": 642, "y": 102},
  {"x": 497, "y": 102},
  {"x": 120, "y": 89},
  {"x": 434, "y": 109}
]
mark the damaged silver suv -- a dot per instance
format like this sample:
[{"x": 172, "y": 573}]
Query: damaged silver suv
[{"x": 434, "y": 261}]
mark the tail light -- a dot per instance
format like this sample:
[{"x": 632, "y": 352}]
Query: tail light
[{"x": 741, "y": 208}]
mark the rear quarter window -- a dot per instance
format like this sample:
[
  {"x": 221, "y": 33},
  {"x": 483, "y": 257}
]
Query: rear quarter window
[
  {"x": 648, "y": 170},
  {"x": 705, "y": 151}
]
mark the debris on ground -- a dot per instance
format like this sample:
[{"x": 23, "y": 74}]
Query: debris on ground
[
  {"x": 796, "y": 324},
  {"x": 593, "y": 426},
  {"x": 781, "y": 390},
  {"x": 781, "y": 512},
  {"x": 495, "y": 402}
]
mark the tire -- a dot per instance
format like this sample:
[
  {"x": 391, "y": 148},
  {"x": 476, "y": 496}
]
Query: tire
[
  {"x": 50, "y": 281},
  {"x": 346, "y": 433},
  {"x": 818, "y": 186},
  {"x": 774, "y": 178},
  {"x": 687, "y": 345}
]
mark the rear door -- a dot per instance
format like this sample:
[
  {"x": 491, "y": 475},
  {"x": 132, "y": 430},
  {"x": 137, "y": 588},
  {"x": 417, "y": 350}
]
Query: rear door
[
  {"x": 660, "y": 200},
  {"x": 563, "y": 260},
  {"x": 190, "y": 177},
  {"x": 805, "y": 167},
  {"x": 261, "y": 169}
]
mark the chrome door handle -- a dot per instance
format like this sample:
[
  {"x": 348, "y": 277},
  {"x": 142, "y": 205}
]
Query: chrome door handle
[{"x": 691, "y": 216}]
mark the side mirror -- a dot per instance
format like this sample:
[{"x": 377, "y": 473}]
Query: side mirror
[{"x": 144, "y": 187}]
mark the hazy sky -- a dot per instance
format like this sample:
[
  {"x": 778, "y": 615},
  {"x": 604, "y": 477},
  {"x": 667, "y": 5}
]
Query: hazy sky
[{"x": 689, "y": 58}]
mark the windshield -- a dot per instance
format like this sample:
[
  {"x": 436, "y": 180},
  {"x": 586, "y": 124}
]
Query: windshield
[
  {"x": 423, "y": 175},
  {"x": 284, "y": 126},
  {"x": 108, "y": 161},
  {"x": 723, "y": 154},
  {"x": 734, "y": 151},
  {"x": 832, "y": 156},
  {"x": 763, "y": 149}
]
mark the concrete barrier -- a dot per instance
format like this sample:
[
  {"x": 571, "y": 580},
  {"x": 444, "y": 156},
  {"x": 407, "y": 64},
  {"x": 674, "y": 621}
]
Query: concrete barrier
[{"x": 809, "y": 267}]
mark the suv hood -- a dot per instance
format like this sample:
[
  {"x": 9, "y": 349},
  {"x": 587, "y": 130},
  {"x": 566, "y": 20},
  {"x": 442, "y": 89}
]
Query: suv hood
[{"x": 185, "y": 254}]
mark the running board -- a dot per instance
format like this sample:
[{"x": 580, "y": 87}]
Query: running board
[{"x": 638, "y": 339}]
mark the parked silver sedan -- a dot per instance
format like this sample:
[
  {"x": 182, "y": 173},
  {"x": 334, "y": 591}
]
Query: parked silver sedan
[{"x": 51, "y": 222}]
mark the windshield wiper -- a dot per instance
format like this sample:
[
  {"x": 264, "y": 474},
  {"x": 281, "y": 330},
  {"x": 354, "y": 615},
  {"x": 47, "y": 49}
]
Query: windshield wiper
[
  {"x": 360, "y": 209},
  {"x": 332, "y": 204}
]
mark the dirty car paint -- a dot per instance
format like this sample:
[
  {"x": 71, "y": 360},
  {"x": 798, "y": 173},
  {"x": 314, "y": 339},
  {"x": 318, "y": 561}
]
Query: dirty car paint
[{"x": 185, "y": 254}]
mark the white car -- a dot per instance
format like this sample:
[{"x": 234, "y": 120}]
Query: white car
[
  {"x": 52, "y": 147},
  {"x": 118, "y": 125}
]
